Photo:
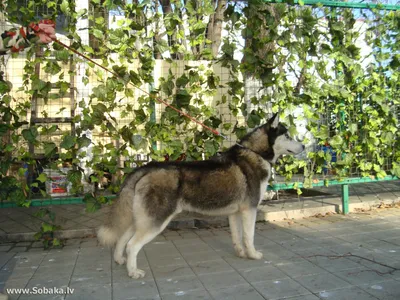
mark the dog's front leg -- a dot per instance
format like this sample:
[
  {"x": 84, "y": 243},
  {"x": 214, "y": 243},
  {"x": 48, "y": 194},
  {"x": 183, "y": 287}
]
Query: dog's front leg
[
  {"x": 235, "y": 224},
  {"x": 249, "y": 222}
]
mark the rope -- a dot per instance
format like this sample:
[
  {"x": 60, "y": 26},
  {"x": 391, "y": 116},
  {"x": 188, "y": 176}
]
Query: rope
[{"x": 142, "y": 90}]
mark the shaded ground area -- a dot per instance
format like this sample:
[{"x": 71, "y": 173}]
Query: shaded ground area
[
  {"x": 333, "y": 257},
  {"x": 20, "y": 224}
]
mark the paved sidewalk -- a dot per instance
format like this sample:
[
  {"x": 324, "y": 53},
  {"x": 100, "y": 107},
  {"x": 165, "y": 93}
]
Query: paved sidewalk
[
  {"x": 332, "y": 257},
  {"x": 20, "y": 224}
]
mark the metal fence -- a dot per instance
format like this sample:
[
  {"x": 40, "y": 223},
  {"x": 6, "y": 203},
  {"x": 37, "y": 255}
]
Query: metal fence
[{"x": 55, "y": 116}]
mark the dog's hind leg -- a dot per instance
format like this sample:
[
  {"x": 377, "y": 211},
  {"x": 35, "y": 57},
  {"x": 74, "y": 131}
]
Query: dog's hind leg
[
  {"x": 120, "y": 247},
  {"x": 144, "y": 233},
  {"x": 235, "y": 224},
  {"x": 249, "y": 222}
]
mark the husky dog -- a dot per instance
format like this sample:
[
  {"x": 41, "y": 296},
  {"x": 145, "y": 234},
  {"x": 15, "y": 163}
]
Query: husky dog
[{"x": 232, "y": 184}]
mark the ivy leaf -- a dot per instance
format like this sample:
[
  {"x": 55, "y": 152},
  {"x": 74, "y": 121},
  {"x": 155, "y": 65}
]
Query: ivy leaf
[
  {"x": 52, "y": 68},
  {"x": 253, "y": 120},
  {"x": 182, "y": 81},
  {"x": 68, "y": 142},
  {"x": 30, "y": 134},
  {"x": 46, "y": 227},
  {"x": 137, "y": 140},
  {"x": 98, "y": 34},
  {"x": 336, "y": 141},
  {"x": 38, "y": 84},
  {"x": 4, "y": 129},
  {"x": 74, "y": 176},
  {"x": 56, "y": 242},
  {"x": 65, "y": 7},
  {"x": 353, "y": 128},
  {"x": 84, "y": 141},
  {"x": 182, "y": 99},
  {"x": 396, "y": 170},
  {"x": 92, "y": 204},
  {"x": 210, "y": 148},
  {"x": 42, "y": 177},
  {"x": 140, "y": 115},
  {"x": 38, "y": 235},
  {"x": 134, "y": 78},
  {"x": 5, "y": 87},
  {"x": 62, "y": 55},
  {"x": 49, "y": 149},
  {"x": 211, "y": 82}
]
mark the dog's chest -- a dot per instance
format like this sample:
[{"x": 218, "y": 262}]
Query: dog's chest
[{"x": 265, "y": 165}]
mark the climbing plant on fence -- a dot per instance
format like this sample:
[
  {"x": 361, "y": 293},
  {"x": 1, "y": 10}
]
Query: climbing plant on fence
[{"x": 336, "y": 68}]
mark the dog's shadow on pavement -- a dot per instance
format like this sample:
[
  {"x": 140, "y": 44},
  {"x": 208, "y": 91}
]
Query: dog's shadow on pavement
[{"x": 6, "y": 271}]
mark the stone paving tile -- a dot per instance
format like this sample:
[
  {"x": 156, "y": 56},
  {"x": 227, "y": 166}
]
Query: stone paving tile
[
  {"x": 386, "y": 290},
  {"x": 5, "y": 247},
  {"x": 194, "y": 258},
  {"x": 173, "y": 285},
  {"x": 171, "y": 271},
  {"x": 189, "y": 241},
  {"x": 17, "y": 274},
  {"x": 225, "y": 279},
  {"x": 278, "y": 289},
  {"x": 216, "y": 243},
  {"x": 42, "y": 283},
  {"x": 241, "y": 291},
  {"x": 306, "y": 297},
  {"x": 300, "y": 268},
  {"x": 41, "y": 297},
  {"x": 346, "y": 294},
  {"x": 243, "y": 264},
  {"x": 16, "y": 283},
  {"x": 262, "y": 273},
  {"x": 92, "y": 242},
  {"x": 334, "y": 264},
  {"x": 90, "y": 277},
  {"x": 174, "y": 259},
  {"x": 322, "y": 282},
  {"x": 19, "y": 249},
  {"x": 58, "y": 260},
  {"x": 26, "y": 260},
  {"x": 135, "y": 289},
  {"x": 120, "y": 275},
  {"x": 188, "y": 249},
  {"x": 212, "y": 266},
  {"x": 189, "y": 295},
  {"x": 161, "y": 249},
  {"x": 88, "y": 291},
  {"x": 363, "y": 275}
]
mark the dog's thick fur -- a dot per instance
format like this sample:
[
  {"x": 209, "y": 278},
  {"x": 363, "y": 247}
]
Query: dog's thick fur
[{"x": 232, "y": 184}]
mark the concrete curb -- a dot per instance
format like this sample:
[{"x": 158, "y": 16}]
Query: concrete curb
[
  {"x": 300, "y": 213},
  {"x": 62, "y": 234},
  {"x": 3, "y": 297}
]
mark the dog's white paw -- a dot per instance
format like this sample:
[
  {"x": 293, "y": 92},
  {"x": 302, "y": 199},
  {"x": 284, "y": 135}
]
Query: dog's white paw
[
  {"x": 240, "y": 252},
  {"x": 137, "y": 273},
  {"x": 255, "y": 255},
  {"x": 120, "y": 260}
]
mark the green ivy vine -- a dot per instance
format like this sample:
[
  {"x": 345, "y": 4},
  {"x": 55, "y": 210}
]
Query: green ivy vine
[{"x": 303, "y": 57}]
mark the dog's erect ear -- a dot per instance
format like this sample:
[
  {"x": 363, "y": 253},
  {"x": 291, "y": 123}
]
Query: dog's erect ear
[{"x": 274, "y": 121}]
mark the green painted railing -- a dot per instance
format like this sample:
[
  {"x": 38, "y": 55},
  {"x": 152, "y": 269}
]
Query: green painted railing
[
  {"x": 339, "y": 4},
  {"x": 344, "y": 183},
  {"x": 322, "y": 182}
]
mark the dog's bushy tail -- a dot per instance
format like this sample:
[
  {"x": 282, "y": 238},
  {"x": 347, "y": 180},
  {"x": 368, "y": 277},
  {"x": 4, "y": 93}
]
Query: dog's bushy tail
[{"x": 121, "y": 215}]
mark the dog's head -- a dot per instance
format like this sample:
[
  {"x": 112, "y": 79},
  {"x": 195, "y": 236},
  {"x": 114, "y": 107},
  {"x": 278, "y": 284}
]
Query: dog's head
[
  {"x": 272, "y": 140},
  {"x": 280, "y": 140}
]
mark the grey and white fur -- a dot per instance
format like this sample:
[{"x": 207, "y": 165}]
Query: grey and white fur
[{"x": 232, "y": 185}]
